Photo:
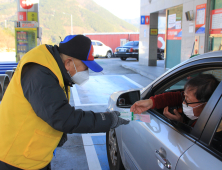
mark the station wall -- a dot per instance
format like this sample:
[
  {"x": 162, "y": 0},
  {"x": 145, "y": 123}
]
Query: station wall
[{"x": 148, "y": 7}]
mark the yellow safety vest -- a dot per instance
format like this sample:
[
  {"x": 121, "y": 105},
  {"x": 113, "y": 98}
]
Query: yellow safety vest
[{"x": 27, "y": 141}]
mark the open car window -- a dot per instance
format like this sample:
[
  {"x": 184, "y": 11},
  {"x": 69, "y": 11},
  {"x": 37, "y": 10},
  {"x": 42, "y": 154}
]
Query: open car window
[
  {"x": 217, "y": 73},
  {"x": 177, "y": 85},
  {"x": 181, "y": 83}
]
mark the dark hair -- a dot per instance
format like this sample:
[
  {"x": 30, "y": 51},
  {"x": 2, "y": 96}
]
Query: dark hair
[{"x": 204, "y": 84}]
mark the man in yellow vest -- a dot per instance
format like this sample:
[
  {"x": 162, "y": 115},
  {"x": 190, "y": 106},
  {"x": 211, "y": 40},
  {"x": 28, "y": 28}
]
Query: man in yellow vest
[{"x": 35, "y": 114}]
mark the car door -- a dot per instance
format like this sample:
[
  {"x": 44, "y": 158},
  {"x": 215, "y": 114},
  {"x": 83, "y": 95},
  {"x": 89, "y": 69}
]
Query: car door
[
  {"x": 95, "y": 49},
  {"x": 159, "y": 144},
  {"x": 153, "y": 144},
  {"x": 207, "y": 152},
  {"x": 101, "y": 49}
]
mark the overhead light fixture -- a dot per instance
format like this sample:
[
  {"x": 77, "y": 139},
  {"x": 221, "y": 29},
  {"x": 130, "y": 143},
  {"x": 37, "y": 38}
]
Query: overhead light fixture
[{"x": 150, "y": 1}]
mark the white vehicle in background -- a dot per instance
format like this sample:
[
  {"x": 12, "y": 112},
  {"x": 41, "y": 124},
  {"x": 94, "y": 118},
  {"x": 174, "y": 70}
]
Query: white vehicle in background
[{"x": 101, "y": 50}]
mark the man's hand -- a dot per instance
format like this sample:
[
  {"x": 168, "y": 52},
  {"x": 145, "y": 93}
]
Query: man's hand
[
  {"x": 141, "y": 106},
  {"x": 116, "y": 120},
  {"x": 170, "y": 116}
]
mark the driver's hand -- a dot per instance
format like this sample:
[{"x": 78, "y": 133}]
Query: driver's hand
[
  {"x": 170, "y": 116},
  {"x": 141, "y": 106}
]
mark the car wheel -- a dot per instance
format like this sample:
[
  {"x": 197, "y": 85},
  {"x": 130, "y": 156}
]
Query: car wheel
[
  {"x": 113, "y": 154},
  {"x": 162, "y": 56},
  {"x": 109, "y": 54},
  {"x": 123, "y": 58}
]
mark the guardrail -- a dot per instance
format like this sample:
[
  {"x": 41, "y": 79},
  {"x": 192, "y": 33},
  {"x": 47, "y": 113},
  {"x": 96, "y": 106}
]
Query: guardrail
[
  {"x": 6, "y": 73},
  {"x": 4, "y": 80},
  {"x": 7, "y": 68},
  {"x": 8, "y": 63},
  {"x": 1, "y": 94},
  {"x": 10, "y": 73}
]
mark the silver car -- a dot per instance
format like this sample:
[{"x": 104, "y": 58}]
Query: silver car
[{"x": 161, "y": 143}]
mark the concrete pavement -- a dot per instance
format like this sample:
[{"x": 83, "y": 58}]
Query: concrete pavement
[{"x": 151, "y": 72}]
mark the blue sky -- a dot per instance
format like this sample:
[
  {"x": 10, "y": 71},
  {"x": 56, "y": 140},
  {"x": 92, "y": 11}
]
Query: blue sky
[{"x": 124, "y": 9}]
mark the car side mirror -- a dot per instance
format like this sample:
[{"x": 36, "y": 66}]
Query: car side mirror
[{"x": 126, "y": 100}]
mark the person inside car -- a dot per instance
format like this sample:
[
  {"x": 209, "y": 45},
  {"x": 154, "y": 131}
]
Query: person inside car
[{"x": 197, "y": 91}]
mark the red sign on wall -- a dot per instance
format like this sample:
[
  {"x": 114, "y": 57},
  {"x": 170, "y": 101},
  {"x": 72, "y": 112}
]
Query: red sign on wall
[
  {"x": 26, "y": 4},
  {"x": 21, "y": 16},
  {"x": 147, "y": 20},
  {"x": 215, "y": 25},
  {"x": 200, "y": 18},
  {"x": 174, "y": 34}
]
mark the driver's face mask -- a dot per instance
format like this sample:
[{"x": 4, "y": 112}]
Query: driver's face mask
[{"x": 188, "y": 111}]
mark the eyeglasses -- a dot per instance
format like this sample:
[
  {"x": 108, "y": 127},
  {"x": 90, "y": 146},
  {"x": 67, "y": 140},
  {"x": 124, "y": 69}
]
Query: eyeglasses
[{"x": 184, "y": 100}]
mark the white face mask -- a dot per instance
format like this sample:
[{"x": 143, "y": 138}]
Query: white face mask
[
  {"x": 188, "y": 111},
  {"x": 81, "y": 77}
]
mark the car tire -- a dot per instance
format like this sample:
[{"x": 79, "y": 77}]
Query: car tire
[
  {"x": 108, "y": 54},
  {"x": 123, "y": 58},
  {"x": 162, "y": 56},
  {"x": 113, "y": 153}
]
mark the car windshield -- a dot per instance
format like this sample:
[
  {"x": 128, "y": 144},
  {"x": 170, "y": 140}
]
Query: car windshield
[{"x": 132, "y": 43}]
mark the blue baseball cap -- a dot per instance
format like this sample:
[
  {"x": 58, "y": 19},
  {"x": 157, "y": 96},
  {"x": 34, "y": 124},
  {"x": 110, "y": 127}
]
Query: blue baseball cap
[{"x": 80, "y": 47}]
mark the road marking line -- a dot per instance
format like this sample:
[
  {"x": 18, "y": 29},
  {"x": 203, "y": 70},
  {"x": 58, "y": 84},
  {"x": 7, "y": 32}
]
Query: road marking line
[
  {"x": 77, "y": 99},
  {"x": 91, "y": 155},
  {"x": 75, "y": 96},
  {"x": 100, "y": 147},
  {"x": 91, "y": 104},
  {"x": 130, "y": 80},
  {"x": 87, "y": 137}
]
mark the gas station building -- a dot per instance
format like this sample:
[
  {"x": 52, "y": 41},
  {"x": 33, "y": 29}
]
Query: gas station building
[{"x": 192, "y": 27}]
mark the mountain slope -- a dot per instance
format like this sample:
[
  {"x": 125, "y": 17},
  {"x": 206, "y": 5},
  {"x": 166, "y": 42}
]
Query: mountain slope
[
  {"x": 7, "y": 40},
  {"x": 87, "y": 17},
  {"x": 55, "y": 18}
]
